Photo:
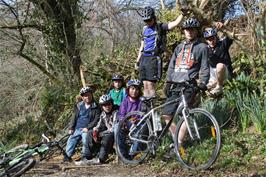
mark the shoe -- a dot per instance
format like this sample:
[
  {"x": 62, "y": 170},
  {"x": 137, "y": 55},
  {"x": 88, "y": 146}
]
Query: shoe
[
  {"x": 83, "y": 161},
  {"x": 171, "y": 152},
  {"x": 66, "y": 159},
  {"x": 217, "y": 90},
  {"x": 211, "y": 85},
  {"x": 94, "y": 161}
]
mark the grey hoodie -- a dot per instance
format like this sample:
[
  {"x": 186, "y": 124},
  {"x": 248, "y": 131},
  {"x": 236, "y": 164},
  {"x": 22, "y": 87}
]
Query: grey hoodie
[{"x": 189, "y": 62}]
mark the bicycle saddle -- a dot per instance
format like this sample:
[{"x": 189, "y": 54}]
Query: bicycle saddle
[{"x": 147, "y": 99}]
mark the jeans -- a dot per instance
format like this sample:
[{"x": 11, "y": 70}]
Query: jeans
[{"x": 74, "y": 139}]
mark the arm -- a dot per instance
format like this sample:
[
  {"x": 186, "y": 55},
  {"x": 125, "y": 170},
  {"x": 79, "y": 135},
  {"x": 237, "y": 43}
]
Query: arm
[
  {"x": 171, "y": 66},
  {"x": 204, "y": 73},
  {"x": 177, "y": 21},
  {"x": 140, "y": 50},
  {"x": 95, "y": 117},
  {"x": 73, "y": 119},
  {"x": 122, "y": 110}
]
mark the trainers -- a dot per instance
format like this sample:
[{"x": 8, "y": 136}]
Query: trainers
[
  {"x": 94, "y": 161},
  {"x": 66, "y": 159},
  {"x": 211, "y": 85},
  {"x": 217, "y": 90},
  {"x": 83, "y": 161}
]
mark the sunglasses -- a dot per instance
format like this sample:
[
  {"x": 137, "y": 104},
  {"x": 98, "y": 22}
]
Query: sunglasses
[
  {"x": 149, "y": 20},
  {"x": 210, "y": 38}
]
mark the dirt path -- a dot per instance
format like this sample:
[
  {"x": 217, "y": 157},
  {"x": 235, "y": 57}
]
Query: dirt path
[{"x": 55, "y": 169}]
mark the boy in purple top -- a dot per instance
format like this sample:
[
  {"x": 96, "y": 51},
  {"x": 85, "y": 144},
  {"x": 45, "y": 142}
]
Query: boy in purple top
[{"x": 130, "y": 103}]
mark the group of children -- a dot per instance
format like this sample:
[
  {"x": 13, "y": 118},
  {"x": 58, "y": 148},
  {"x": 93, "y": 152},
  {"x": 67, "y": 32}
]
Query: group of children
[{"x": 96, "y": 125}]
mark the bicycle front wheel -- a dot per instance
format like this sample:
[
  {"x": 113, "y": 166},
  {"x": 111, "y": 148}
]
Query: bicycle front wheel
[
  {"x": 132, "y": 150},
  {"x": 200, "y": 149},
  {"x": 20, "y": 168}
]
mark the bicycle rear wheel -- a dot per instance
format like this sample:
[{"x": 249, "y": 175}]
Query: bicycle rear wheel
[
  {"x": 201, "y": 151},
  {"x": 132, "y": 151},
  {"x": 20, "y": 168}
]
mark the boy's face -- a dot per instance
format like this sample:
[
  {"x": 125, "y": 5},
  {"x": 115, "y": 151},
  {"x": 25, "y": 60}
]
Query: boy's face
[
  {"x": 133, "y": 92},
  {"x": 117, "y": 84},
  {"x": 211, "y": 41},
  {"x": 190, "y": 33},
  {"x": 87, "y": 98},
  {"x": 107, "y": 107},
  {"x": 150, "y": 22}
]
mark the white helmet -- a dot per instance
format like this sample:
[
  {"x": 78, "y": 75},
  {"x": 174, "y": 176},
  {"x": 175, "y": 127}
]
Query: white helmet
[
  {"x": 105, "y": 99},
  {"x": 85, "y": 90}
]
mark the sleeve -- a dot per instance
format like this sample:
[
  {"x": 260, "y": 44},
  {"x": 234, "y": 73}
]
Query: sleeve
[
  {"x": 115, "y": 120},
  {"x": 95, "y": 118},
  {"x": 171, "y": 66},
  {"x": 122, "y": 110},
  {"x": 73, "y": 119},
  {"x": 204, "y": 73},
  {"x": 99, "y": 124},
  {"x": 164, "y": 27},
  {"x": 227, "y": 42}
]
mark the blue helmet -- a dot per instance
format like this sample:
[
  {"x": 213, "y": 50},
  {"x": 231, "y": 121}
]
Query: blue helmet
[
  {"x": 210, "y": 32},
  {"x": 134, "y": 82},
  {"x": 191, "y": 23},
  {"x": 148, "y": 13}
]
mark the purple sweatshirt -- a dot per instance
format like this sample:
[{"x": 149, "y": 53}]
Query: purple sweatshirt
[{"x": 128, "y": 106}]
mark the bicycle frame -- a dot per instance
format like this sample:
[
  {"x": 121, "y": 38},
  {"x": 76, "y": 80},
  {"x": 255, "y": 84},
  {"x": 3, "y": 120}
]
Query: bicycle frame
[{"x": 182, "y": 108}]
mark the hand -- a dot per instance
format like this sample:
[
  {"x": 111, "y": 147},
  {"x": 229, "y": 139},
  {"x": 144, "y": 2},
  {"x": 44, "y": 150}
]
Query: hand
[
  {"x": 136, "y": 66},
  {"x": 95, "y": 135},
  {"x": 219, "y": 25},
  {"x": 70, "y": 132},
  {"x": 85, "y": 130},
  {"x": 202, "y": 87},
  {"x": 185, "y": 10}
]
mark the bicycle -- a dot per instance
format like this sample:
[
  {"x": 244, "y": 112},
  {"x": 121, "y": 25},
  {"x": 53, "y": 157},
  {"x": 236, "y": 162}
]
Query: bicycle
[
  {"x": 20, "y": 159},
  {"x": 139, "y": 135}
]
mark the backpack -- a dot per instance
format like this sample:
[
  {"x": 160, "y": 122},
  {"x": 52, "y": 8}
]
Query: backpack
[{"x": 161, "y": 40}]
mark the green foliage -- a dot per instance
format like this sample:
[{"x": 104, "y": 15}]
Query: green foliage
[
  {"x": 56, "y": 102},
  {"x": 248, "y": 96}
]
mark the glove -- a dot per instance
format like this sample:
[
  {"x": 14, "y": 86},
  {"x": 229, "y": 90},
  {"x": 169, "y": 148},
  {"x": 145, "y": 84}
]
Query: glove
[
  {"x": 185, "y": 10},
  {"x": 137, "y": 66},
  {"x": 167, "y": 89},
  {"x": 202, "y": 87}
]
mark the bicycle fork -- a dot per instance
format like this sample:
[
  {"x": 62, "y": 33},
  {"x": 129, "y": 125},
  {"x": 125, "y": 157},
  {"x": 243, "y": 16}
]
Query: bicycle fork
[{"x": 192, "y": 127}]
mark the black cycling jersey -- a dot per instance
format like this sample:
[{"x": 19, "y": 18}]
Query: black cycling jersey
[{"x": 220, "y": 54}]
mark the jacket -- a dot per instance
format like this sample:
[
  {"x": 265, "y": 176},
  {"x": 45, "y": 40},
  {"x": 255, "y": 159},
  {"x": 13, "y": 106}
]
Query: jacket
[
  {"x": 94, "y": 115},
  {"x": 107, "y": 122},
  {"x": 197, "y": 66}
]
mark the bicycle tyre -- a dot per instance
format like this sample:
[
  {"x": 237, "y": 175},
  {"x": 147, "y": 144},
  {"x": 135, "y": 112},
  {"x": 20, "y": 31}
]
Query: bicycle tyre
[
  {"x": 20, "y": 168},
  {"x": 199, "y": 153},
  {"x": 124, "y": 144}
]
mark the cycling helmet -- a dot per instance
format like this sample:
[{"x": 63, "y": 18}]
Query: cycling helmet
[
  {"x": 210, "y": 32},
  {"x": 134, "y": 82},
  {"x": 191, "y": 23},
  {"x": 117, "y": 77},
  {"x": 85, "y": 90},
  {"x": 105, "y": 99},
  {"x": 148, "y": 13}
]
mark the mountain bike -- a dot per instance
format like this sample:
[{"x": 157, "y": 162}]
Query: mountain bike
[
  {"x": 18, "y": 160},
  {"x": 139, "y": 135}
]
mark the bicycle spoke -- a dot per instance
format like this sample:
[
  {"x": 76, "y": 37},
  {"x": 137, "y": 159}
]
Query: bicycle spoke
[{"x": 200, "y": 150}]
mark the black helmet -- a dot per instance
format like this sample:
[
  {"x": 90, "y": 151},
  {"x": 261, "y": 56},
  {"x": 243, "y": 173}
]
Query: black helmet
[
  {"x": 117, "y": 77},
  {"x": 86, "y": 90},
  {"x": 148, "y": 13},
  {"x": 191, "y": 23}
]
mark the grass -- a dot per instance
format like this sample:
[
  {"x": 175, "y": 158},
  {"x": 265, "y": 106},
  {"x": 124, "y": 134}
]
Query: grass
[{"x": 242, "y": 154}]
